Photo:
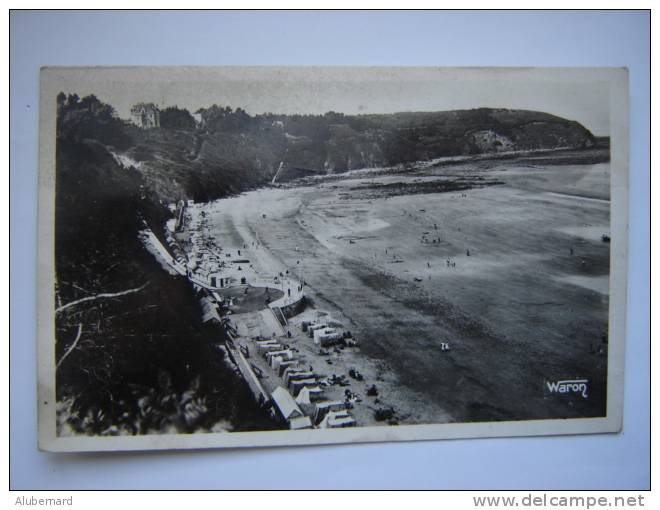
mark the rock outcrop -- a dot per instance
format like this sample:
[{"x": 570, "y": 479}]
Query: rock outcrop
[
  {"x": 230, "y": 157},
  {"x": 381, "y": 140}
]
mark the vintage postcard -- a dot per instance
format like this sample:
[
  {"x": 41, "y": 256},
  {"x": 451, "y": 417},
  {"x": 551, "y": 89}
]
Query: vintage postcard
[{"x": 251, "y": 256}]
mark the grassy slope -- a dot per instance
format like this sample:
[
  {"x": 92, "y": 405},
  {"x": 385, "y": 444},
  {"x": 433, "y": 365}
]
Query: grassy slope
[{"x": 186, "y": 163}]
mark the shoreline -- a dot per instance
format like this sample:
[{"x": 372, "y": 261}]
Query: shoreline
[
  {"x": 241, "y": 220},
  {"x": 324, "y": 234}
]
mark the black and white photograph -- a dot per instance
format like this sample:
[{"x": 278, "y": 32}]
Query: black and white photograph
[{"x": 258, "y": 256}]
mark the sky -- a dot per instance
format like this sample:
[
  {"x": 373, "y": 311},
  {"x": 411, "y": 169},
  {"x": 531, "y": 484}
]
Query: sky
[{"x": 575, "y": 94}]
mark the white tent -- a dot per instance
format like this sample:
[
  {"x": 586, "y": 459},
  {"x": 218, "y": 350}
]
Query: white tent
[
  {"x": 282, "y": 355},
  {"x": 276, "y": 362},
  {"x": 266, "y": 341},
  {"x": 294, "y": 376},
  {"x": 290, "y": 370},
  {"x": 337, "y": 419},
  {"x": 285, "y": 404},
  {"x": 326, "y": 339},
  {"x": 322, "y": 408},
  {"x": 309, "y": 394},
  {"x": 281, "y": 352},
  {"x": 209, "y": 310},
  {"x": 313, "y": 327},
  {"x": 299, "y": 384},
  {"x": 322, "y": 331},
  {"x": 286, "y": 364},
  {"x": 265, "y": 348}
]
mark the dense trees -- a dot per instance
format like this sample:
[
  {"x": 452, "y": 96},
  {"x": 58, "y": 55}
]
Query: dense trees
[
  {"x": 176, "y": 118},
  {"x": 132, "y": 354},
  {"x": 224, "y": 119},
  {"x": 88, "y": 117}
]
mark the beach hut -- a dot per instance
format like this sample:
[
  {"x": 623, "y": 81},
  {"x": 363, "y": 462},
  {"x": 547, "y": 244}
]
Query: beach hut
[
  {"x": 268, "y": 341},
  {"x": 283, "y": 353},
  {"x": 215, "y": 278},
  {"x": 295, "y": 376},
  {"x": 266, "y": 348},
  {"x": 289, "y": 371},
  {"x": 275, "y": 361},
  {"x": 336, "y": 420},
  {"x": 327, "y": 339},
  {"x": 297, "y": 385},
  {"x": 323, "y": 408},
  {"x": 313, "y": 327},
  {"x": 309, "y": 394},
  {"x": 285, "y": 405},
  {"x": 209, "y": 310},
  {"x": 286, "y": 364},
  {"x": 322, "y": 331}
]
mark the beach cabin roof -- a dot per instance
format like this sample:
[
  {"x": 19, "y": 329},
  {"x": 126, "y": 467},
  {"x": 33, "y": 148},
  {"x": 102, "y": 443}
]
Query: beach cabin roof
[
  {"x": 209, "y": 311},
  {"x": 337, "y": 419},
  {"x": 285, "y": 403},
  {"x": 305, "y": 394}
]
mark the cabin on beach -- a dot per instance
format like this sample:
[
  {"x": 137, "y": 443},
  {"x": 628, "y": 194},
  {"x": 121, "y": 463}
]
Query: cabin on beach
[
  {"x": 288, "y": 410},
  {"x": 323, "y": 408},
  {"x": 337, "y": 420},
  {"x": 209, "y": 311}
]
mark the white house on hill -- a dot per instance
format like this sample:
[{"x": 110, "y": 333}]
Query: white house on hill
[{"x": 146, "y": 115}]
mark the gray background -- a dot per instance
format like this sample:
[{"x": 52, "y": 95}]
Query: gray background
[{"x": 331, "y": 38}]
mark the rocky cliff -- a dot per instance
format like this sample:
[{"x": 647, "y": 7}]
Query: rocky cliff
[
  {"x": 382, "y": 140},
  {"x": 226, "y": 156}
]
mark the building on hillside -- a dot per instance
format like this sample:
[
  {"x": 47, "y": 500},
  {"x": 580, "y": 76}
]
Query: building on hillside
[
  {"x": 146, "y": 115},
  {"x": 199, "y": 120}
]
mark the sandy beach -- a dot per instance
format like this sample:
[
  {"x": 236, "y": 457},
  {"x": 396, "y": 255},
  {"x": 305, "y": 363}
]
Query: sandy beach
[{"x": 463, "y": 302}]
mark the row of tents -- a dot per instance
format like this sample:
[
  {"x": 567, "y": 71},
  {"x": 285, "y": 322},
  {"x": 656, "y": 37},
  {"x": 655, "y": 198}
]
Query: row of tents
[
  {"x": 326, "y": 334},
  {"x": 301, "y": 388},
  {"x": 300, "y": 382}
]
